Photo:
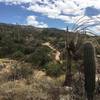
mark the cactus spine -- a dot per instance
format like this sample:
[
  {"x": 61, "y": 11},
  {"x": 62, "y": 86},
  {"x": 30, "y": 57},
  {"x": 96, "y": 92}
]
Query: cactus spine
[{"x": 89, "y": 69}]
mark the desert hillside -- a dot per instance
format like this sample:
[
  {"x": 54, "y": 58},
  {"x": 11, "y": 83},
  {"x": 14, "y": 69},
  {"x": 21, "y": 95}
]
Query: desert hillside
[{"x": 33, "y": 63}]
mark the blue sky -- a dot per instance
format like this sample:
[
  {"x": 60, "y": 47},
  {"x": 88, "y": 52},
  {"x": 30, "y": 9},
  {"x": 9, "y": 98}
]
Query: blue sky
[{"x": 51, "y": 13}]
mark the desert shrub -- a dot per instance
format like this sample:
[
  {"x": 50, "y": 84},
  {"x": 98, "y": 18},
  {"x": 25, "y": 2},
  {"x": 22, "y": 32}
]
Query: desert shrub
[
  {"x": 98, "y": 39},
  {"x": 19, "y": 47},
  {"x": 98, "y": 50},
  {"x": 17, "y": 55},
  {"x": 18, "y": 72},
  {"x": 28, "y": 50},
  {"x": 53, "y": 69},
  {"x": 5, "y": 51},
  {"x": 39, "y": 57},
  {"x": 74, "y": 67}
]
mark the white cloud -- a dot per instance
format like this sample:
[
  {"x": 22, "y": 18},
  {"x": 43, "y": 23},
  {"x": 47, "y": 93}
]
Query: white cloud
[
  {"x": 63, "y": 9},
  {"x": 98, "y": 28},
  {"x": 68, "y": 5},
  {"x": 57, "y": 9},
  {"x": 54, "y": 8},
  {"x": 20, "y": 1},
  {"x": 16, "y": 1},
  {"x": 49, "y": 10},
  {"x": 31, "y": 20},
  {"x": 95, "y": 30},
  {"x": 64, "y": 18}
]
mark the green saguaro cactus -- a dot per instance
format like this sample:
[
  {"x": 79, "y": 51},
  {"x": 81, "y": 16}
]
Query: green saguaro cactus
[{"x": 89, "y": 69}]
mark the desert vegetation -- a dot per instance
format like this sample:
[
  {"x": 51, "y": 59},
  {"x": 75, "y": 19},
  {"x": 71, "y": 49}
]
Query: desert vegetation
[{"x": 49, "y": 64}]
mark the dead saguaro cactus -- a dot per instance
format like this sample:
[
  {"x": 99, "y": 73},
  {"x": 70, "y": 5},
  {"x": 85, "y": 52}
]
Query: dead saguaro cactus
[
  {"x": 89, "y": 69},
  {"x": 68, "y": 55}
]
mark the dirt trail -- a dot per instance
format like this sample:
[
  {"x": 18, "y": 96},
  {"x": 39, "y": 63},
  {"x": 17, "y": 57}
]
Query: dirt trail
[{"x": 57, "y": 53}]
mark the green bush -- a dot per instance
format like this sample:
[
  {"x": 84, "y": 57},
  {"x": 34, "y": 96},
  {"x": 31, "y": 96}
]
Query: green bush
[
  {"x": 53, "y": 69},
  {"x": 39, "y": 57},
  {"x": 74, "y": 67},
  {"x": 98, "y": 50},
  {"x": 17, "y": 55}
]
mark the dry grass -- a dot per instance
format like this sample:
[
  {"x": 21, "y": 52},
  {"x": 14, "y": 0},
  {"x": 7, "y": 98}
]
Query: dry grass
[{"x": 35, "y": 87}]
